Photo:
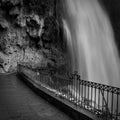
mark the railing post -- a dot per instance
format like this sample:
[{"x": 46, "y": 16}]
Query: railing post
[
  {"x": 92, "y": 96},
  {"x": 117, "y": 105},
  {"x": 112, "y": 106},
  {"x": 95, "y": 99}
]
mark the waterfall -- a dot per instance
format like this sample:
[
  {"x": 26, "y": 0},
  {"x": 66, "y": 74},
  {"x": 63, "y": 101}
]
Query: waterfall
[{"x": 90, "y": 41}]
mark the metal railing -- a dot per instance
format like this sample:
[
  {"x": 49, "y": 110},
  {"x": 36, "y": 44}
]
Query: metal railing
[{"x": 101, "y": 100}]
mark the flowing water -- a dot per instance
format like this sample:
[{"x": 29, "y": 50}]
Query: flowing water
[{"x": 91, "y": 42}]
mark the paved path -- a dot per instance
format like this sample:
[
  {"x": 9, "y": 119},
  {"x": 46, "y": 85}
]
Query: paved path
[{"x": 19, "y": 102}]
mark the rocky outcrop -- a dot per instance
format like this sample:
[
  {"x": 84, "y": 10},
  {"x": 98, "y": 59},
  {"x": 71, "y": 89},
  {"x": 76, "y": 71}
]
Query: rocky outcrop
[
  {"x": 3, "y": 24},
  {"x": 14, "y": 11},
  {"x": 34, "y": 26},
  {"x": 11, "y": 2},
  {"x": 28, "y": 32}
]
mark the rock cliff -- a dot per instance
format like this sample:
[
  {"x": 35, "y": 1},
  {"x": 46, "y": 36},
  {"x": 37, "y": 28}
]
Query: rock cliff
[{"x": 28, "y": 32}]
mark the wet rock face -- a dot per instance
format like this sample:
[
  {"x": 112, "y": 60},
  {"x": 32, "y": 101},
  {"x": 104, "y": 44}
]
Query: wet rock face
[{"x": 28, "y": 31}]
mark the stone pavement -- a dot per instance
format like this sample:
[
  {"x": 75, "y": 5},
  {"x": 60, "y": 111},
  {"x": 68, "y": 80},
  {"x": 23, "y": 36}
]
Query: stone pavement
[{"x": 19, "y": 102}]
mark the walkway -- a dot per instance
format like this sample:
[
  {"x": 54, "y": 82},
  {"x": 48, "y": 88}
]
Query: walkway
[{"x": 19, "y": 102}]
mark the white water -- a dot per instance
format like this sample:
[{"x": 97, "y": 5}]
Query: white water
[{"x": 91, "y": 43}]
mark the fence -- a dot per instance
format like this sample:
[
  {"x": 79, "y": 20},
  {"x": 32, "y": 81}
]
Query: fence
[{"x": 101, "y": 100}]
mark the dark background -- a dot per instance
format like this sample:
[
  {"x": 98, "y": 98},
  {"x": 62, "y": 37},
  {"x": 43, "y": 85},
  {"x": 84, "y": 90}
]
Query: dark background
[{"x": 113, "y": 9}]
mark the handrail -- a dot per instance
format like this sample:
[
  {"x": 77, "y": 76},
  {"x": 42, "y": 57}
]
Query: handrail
[{"x": 82, "y": 93}]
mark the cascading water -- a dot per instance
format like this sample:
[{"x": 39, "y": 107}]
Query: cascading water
[{"x": 91, "y": 43}]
